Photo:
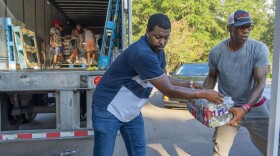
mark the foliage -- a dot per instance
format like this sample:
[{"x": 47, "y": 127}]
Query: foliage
[
  {"x": 268, "y": 35},
  {"x": 198, "y": 25}
]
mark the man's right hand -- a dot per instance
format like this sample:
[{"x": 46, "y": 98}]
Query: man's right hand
[{"x": 213, "y": 96}]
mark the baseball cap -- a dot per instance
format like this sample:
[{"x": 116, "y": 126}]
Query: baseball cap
[
  {"x": 56, "y": 22},
  {"x": 239, "y": 17}
]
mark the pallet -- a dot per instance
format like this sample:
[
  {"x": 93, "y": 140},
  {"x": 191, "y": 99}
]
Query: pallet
[
  {"x": 10, "y": 43},
  {"x": 16, "y": 22},
  {"x": 7, "y": 46},
  {"x": 26, "y": 47},
  {"x": 72, "y": 66}
]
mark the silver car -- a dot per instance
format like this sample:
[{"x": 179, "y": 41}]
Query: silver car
[{"x": 190, "y": 71}]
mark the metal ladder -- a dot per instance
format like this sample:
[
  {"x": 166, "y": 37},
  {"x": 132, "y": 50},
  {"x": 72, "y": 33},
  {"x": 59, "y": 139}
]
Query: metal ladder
[{"x": 110, "y": 33}]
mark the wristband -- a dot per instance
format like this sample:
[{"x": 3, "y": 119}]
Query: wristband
[
  {"x": 248, "y": 107},
  {"x": 245, "y": 108}
]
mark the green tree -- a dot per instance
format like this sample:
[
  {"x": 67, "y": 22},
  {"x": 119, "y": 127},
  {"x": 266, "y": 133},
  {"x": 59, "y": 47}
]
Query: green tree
[
  {"x": 268, "y": 35},
  {"x": 198, "y": 25}
]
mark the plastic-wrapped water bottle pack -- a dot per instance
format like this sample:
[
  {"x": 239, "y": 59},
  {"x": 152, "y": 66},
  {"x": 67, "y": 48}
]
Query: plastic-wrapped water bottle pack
[{"x": 210, "y": 114}]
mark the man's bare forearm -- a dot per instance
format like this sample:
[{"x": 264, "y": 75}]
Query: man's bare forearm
[
  {"x": 256, "y": 93},
  {"x": 179, "y": 82},
  {"x": 259, "y": 84},
  {"x": 164, "y": 85},
  {"x": 210, "y": 82},
  {"x": 211, "y": 79},
  {"x": 188, "y": 93},
  {"x": 179, "y": 92}
]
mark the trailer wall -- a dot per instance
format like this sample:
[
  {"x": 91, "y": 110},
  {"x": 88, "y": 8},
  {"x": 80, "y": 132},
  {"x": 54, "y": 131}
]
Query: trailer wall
[{"x": 37, "y": 15}]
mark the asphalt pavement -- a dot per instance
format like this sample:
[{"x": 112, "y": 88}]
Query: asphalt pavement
[{"x": 168, "y": 133}]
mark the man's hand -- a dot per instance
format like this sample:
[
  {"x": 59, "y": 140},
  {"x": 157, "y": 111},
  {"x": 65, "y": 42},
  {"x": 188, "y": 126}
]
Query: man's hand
[
  {"x": 213, "y": 96},
  {"x": 197, "y": 85},
  {"x": 238, "y": 114}
]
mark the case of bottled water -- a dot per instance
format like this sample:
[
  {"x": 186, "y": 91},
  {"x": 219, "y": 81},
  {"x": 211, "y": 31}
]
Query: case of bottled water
[{"x": 210, "y": 114}]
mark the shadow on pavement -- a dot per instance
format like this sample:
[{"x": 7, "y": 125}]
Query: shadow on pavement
[{"x": 177, "y": 133}]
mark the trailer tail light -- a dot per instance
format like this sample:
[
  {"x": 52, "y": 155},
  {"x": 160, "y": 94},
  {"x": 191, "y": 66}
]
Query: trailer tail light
[{"x": 96, "y": 80}]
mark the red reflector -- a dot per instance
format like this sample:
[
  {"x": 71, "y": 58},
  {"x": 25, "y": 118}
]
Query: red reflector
[
  {"x": 24, "y": 136},
  {"x": 96, "y": 80},
  {"x": 53, "y": 135},
  {"x": 80, "y": 133}
]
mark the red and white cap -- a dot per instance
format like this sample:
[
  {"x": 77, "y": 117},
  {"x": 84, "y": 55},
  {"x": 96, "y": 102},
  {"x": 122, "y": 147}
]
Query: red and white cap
[
  {"x": 56, "y": 22},
  {"x": 239, "y": 17}
]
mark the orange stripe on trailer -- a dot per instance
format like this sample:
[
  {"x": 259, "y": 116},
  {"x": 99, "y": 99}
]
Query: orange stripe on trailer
[
  {"x": 53, "y": 135},
  {"x": 24, "y": 136},
  {"x": 81, "y": 133}
]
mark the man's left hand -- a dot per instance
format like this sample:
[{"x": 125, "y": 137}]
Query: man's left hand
[
  {"x": 197, "y": 85},
  {"x": 238, "y": 114}
]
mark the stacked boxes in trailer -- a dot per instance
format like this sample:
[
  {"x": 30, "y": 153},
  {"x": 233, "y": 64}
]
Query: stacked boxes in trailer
[{"x": 27, "y": 89}]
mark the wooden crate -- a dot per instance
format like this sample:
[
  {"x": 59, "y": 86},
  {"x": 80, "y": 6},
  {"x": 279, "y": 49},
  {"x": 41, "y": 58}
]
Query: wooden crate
[{"x": 26, "y": 47}]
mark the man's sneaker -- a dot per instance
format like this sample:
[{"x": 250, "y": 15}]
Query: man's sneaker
[
  {"x": 69, "y": 61},
  {"x": 77, "y": 62}
]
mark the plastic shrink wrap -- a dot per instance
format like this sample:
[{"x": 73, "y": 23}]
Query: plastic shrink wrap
[{"x": 210, "y": 114}]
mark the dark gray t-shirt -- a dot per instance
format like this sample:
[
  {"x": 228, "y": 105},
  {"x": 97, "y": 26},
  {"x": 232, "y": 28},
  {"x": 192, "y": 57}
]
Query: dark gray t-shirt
[{"x": 235, "y": 69}]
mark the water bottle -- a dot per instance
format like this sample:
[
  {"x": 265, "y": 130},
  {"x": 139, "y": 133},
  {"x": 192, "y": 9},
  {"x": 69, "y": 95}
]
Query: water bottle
[
  {"x": 220, "y": 114},
  {"x": 68, "y": 153},
  {"x": 210, "y": 114}
]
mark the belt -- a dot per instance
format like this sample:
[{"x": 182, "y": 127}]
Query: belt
[{"x": 260, "y": 102}]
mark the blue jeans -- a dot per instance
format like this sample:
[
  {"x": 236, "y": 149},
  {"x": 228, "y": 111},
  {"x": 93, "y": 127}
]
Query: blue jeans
[{"x": 106, "y": 126}]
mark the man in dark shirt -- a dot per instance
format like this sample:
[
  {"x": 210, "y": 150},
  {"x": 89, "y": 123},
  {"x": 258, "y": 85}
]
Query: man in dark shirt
[{"x": 126, "y": 86}]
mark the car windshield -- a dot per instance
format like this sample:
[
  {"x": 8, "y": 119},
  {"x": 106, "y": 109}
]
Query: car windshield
[{"x": 193, "y": 70}]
